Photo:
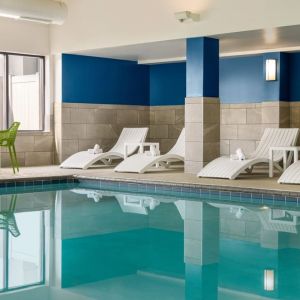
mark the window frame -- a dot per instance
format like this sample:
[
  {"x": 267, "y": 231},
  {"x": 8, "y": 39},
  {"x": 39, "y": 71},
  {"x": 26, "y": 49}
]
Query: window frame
[
  {"x": 6, "y": 84},
  {"x": 6, "y": 287}
]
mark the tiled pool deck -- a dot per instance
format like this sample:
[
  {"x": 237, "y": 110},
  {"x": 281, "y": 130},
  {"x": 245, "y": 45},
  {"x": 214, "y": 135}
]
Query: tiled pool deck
[{"x": 255, "y": 183}]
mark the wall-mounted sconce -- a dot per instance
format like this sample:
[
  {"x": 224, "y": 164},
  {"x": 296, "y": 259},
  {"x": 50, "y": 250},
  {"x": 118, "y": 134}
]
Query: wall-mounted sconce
[
  {"x": 271, "y": 69},
  {"x": 269, "y": 280}
]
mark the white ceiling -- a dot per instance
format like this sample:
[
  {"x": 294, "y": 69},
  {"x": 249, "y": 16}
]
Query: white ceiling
[
  {"x": 95, "y": 24},
  {"x": 144, "y": 53},
  {"x": 240, "y": 43},
  {"x": 273, "y": 39}
]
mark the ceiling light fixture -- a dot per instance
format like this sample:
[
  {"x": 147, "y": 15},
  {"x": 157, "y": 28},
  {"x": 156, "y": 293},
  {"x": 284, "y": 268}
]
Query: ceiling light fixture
[{"x": 187, "y": 16}]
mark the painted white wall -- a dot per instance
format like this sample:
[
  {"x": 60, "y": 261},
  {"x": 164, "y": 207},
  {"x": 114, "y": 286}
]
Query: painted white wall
[
  {"x": 24, "y": 37},
  {"x": 29, "y": 38},
  {"x": 101, "y": 23}
]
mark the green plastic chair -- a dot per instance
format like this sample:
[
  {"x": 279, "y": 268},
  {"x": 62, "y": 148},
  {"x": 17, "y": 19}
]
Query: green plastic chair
[{"x": 7, "y": 139}]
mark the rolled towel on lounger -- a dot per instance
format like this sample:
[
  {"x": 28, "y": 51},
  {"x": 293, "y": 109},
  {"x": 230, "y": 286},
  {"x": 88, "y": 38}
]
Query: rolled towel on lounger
[
  {"x": 239, "y": 155},
  {"x": 95, "y": 150}
]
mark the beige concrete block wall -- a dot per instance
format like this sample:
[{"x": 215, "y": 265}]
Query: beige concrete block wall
[
  {"x": 295, "y": 114},
  {"x": 33, "y": 149},
  {"x": 166, "y": 123},
  {"x": 81, "y": 126},
  {"x": 242, "y": 125},
  {"x": 84, "y": 125}
]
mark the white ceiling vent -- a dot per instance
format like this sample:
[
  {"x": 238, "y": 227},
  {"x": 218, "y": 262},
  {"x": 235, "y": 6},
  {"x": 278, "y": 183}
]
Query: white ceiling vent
[{"x": 43, "y": 11}]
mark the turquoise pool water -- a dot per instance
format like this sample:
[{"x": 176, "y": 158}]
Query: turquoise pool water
[{"x": 73, "y": 242}]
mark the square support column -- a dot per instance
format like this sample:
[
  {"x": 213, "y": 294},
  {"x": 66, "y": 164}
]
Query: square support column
[
  {"x": 202, "y": 105},
  {"x": 201, "y": 250},
  {"x": 201, "y": 233}
]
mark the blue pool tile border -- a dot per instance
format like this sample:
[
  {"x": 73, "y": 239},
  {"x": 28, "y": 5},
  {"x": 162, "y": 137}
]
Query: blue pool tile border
[
  {"x": 207, "y": 193},
  {"x": 36, "y": 184},
  {"x": 192, "y": 191}
]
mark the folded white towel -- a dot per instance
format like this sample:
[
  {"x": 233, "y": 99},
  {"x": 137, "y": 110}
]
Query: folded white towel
[
  {"x": 92, "y": 151},
  {"x": 95, "y": 150},
  {"x": 239, "y": 155}
]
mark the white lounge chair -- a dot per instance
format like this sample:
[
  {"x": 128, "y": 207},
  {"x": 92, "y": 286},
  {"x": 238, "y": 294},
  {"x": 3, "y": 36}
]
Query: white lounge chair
[
  {"x": 224, "y": 167},
  {"x": 291, "y": 174},
  {"x": 84, "y": 159},
  {"x": 140, "y": 163}
]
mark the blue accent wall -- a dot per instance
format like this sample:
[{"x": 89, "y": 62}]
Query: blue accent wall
[
  {"x": 202, "y": 67},
  {"x": 294, "y": 71},
  {"x": 108, "y": 81},
  {"x": 167, "y": 84},
  {"x": 87, "y": 79},
  {"x": 241, "y": 79}
]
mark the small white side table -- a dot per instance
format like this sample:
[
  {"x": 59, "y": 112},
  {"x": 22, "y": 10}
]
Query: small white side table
[
  {"x": 141, "y": 147},
  {"x": 285, "y": 151}
]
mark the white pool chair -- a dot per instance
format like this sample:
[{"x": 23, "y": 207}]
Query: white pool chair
[
  {"x": 224, "y": 167},
  {"x": 84, "y": 159},
  {"x": 140, "y": 163},
  {"x": 291, "y": 175}
]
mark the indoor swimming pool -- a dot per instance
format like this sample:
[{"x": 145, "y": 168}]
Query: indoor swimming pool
[{"x": 72, "y": 241}]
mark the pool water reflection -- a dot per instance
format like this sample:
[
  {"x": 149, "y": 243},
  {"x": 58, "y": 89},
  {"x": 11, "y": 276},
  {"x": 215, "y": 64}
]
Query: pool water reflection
[{"x": 92, "y": 244}]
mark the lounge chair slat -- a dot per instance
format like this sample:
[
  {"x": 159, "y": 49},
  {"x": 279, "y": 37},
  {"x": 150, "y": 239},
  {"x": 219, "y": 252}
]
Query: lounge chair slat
[{"x": 291, "y": 175}]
